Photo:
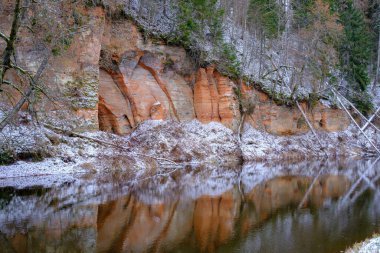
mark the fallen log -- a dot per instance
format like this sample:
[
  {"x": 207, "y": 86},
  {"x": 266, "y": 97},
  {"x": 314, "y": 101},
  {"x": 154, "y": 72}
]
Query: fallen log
[
  {"x": 369, "y": 122},
  {"x": 71, "y": 133},
  {"x": 356, "y": 124},
  {"x": 311, "y": 128}
]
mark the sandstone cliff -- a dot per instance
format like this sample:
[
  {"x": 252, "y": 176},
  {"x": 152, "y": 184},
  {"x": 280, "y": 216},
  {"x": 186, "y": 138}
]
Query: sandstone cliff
[{"x": 112, "y": 78}]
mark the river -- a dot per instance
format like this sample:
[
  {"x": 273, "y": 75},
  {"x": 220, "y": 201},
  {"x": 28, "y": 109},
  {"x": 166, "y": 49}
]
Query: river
[{"x": 311, "y": 206}]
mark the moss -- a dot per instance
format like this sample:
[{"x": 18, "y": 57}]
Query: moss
[
  {"x": 168, "y": 64},
  {"x": 34, "y": 156},
  {"x": 301, "y": 122},
  {"x": 7, "y": 157},
  {"x": 228, "y": 63},
  {"x": 56, "y": 51},
  {"x": 313, "y": 100},
  {"x": 82, "y": 92}
]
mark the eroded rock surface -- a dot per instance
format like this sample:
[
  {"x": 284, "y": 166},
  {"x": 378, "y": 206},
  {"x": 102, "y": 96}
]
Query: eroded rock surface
[
  {"x": 160, "y": 82},
  {"x": 113, "y": 79}
]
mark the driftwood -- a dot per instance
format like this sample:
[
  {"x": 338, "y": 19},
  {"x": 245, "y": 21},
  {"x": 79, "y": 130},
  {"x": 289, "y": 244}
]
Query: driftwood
[
  {"x": 370, "y": 120},
  {"x": 311, "y": 128},
  {"x": 358, "y": 112},
  {"x": 345, "y": 198},
  {"x": 356, "y": 124},
  {"x": 300, "y": 108},
  {"x": 304, "y": 199},
  {"x": 71, "y": 133}
]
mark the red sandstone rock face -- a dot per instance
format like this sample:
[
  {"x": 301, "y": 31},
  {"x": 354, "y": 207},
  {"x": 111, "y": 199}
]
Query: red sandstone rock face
[
  {"x": 153, "y": 89},
  {"x": 285, "y": 120},
  {"x": 228, "y": 104},
  {"x": 157, "y": 111},
  {"x": 214, "y": 99},
  {"x": 71, "y": 78},
  {"x": 139, "y": 80},
  {"x": 114, "y": 109},
  {"x": 202, "y": 98}
]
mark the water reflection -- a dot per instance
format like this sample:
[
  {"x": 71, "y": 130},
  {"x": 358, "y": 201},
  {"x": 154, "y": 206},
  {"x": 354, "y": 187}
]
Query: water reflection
[{"x": 212, "y": 211}]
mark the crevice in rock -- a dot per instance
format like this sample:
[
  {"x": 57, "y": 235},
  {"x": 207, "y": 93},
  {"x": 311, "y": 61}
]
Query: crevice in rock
[
  {"x": 162, "y": 86},
  {"x": 108, "y": 121},
  {"x": 214, "y": 94},
  {"x": 120, "y": 82}
]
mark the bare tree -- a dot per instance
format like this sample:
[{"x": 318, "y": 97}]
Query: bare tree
[{"x": 50, "y": 34}]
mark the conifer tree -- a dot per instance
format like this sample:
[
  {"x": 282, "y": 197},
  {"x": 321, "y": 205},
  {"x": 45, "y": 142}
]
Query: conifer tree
[
  {"x": 355, "y": 49},
  {"x": 265, "y": 14}
]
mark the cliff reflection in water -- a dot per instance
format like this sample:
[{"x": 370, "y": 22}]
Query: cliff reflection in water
[
  {"x": 256, "y": 214},
  {"x": 205, "y": 223}
]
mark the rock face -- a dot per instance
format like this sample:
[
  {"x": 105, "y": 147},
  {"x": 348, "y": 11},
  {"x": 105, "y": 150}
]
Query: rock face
[
  {"x": 285, "y": 120},
  {"x": 71, "y": 76},
  {"x": 112, "y": 78},
  {"x": 114, "y": 109},
  {"x": 215, "y": 100}
]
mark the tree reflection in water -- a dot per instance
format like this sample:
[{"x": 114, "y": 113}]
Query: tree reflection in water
[{"x": 208, "y": 214}]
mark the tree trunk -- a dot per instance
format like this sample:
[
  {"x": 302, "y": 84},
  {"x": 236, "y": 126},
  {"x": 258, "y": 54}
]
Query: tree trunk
[
  {"x": 10, "y": 48},
  {"x": 32, "y": 85},
  {"x": 377, "y": 65},
  {"x": 356, "y": 124}
]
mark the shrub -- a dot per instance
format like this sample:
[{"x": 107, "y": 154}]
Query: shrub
[
  {"x": 228, "y": 63},
  {"x": 7, "y": 157}
]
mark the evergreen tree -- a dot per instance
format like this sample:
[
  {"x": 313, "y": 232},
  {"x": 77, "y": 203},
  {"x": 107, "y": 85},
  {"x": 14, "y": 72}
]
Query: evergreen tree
[
  {"x": 265, "y": 14},
  {"x": 302, "y": 16},
  {"x": 355, "y": 49},
  {"x": 199, "y": 19}
]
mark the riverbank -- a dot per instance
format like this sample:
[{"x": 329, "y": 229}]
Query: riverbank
[{"x": 42, "y": 156}]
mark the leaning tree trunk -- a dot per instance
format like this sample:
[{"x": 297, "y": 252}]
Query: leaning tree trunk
[
  {"x": 33, "y": 80},
  {"x": 10, "y": 47},
  {"x": 378, "y": 64}
]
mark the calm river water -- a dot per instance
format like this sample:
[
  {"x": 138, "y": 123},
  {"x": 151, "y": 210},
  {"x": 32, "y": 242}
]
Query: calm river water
[{"x": 255, "y": 208}]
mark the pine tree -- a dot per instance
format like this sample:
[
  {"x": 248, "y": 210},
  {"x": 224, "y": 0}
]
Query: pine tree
[
  {"x": 302, "y": 13},
  {"x": 355, "y": 49},
  {"x": 265, "y": 14}
]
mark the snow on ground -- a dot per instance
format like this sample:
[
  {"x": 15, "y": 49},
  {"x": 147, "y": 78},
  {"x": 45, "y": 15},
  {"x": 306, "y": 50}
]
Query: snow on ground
[
  {"x": 371, "y": 245},
  {"x": 258, "y": 145},
  {"x": 191, "y": 142},
  {"x": 49, "y": 158},
  {"x": 66, "y": 159}
]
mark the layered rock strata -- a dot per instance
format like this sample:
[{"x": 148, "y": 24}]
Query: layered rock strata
[{"x": 112, "y": 78}]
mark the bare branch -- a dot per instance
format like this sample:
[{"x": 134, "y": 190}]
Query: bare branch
[
  {"x": 33, "y": 80},
  {"x": 23, "y": 71},
  {"x": 10, "y": 48},
  {"x": 71, "y": 133},
  {"x": 353, "y": 120},
  {"x": 15, "y": 110},
  {"x": 14, "y": 86},
  {"x": 4, "y": 37}
]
